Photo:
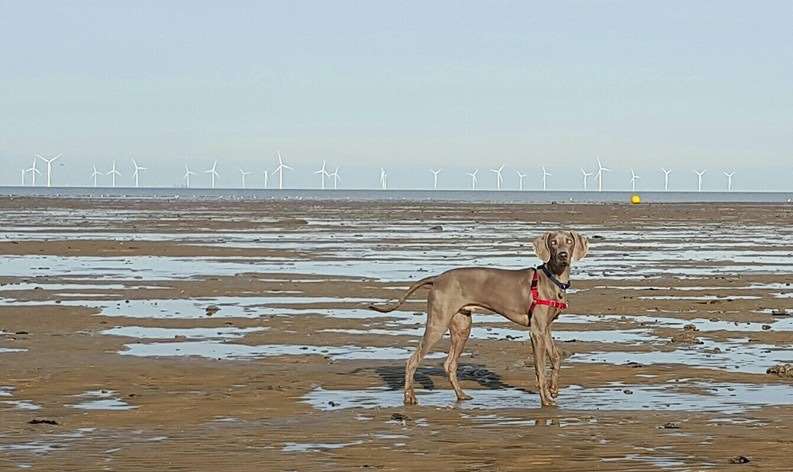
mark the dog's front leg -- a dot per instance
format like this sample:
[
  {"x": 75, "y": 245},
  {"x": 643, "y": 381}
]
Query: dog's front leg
[
  {"x": 556, "y": 363},
  {"x": 538, "y": 345}
]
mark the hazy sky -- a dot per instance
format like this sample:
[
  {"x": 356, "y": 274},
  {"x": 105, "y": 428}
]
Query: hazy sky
[{"x": 405, "y": 85}]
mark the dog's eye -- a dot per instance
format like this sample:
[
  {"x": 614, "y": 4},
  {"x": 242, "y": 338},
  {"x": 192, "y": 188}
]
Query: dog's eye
[
  {"x": 569, "y": 241},
  {"x": 553, "y": 243}
]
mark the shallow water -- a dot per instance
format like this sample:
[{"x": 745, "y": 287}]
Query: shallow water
[
  {"x": 101, "y": 400},
  {"x": 634, "y": 336},
  {"x": 22, "y": 404},
  {"x": 315, "y": 447},
  {"x": 725, "y": 397},
  {"x": 273, "y": 303},
  {"x": 699, "y": 288},
  {"x": 189, "y": 333},
  {"x": 8, "y": 349},
  {"x": 390, "y": 265},
  {"x": 663, "y": 462},
  {"x": 734, "y": 356},
  {"x": 700, "y": 297},
  {"x": 228, "y": 351}
]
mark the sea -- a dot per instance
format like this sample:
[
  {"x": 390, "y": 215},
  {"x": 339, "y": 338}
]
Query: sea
[{"x": 471, "y": 196}]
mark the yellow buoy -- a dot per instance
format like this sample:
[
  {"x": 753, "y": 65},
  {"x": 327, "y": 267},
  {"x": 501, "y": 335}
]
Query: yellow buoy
[{"x": 635, "y": 199}]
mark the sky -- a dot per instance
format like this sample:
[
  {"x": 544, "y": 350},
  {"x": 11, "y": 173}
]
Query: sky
[{"x": 404, "y": 85}]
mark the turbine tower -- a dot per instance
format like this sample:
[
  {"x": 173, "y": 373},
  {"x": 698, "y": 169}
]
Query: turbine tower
[
  {"x": 33, "y": 171},
  {"x": 136, "y": 174},
  {"x": 666, "y": 178},
  {"x": 474, "y": 179},
  {"x": 599, "y": 174},
  {"x": 336, "y": 179},
  {"x": 213, "y": 173},
  {"x": 49, "y": 167},
  {"x": 244, "y": 174},
  {"x": 545, "y": 175},
  {"x": 435, "y": 173},
  {"x": 266, "y": 179},
  {"x": 729, "y": 180},
  {"x": 323, "y": 173},
  {"x": 383, "y": 179},
  {"x": 699, "y": 179},
  {"x": 95, "y": 174},
  {"x": 187, "y": 174},
  {"x": 280, "y": 169},
  {"x": 521, "y": 176},
  {"x": 634, "y": 178},
  {"x": 114, "y": 173},
  {"x": 24, "y": 171},
  {"x": 586, "y": 176},
  {"x": 499, "y": 178}
]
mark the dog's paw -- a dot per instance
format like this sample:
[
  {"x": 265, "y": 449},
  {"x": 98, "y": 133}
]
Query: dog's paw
[
  {"x": 548, "y": 403},
  {"x": 410, "y": 398}
]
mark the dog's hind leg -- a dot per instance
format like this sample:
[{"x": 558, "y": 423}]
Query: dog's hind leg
[
  {"x": 438, "y": 319},
  {"x": 460, "y": 329}
]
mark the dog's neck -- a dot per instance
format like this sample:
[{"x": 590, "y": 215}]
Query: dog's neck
[{"x": 561, "y": 272}]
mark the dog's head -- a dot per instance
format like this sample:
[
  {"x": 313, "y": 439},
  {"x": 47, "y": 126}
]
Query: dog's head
[{"x": 561, "y": 247}]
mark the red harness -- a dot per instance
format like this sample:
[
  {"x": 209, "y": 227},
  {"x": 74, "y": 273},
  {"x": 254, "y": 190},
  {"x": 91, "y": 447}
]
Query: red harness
[{"x": 535, "y": 296}]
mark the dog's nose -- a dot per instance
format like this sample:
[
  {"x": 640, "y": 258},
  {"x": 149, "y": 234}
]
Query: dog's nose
[{"x": 563, "y": 254}]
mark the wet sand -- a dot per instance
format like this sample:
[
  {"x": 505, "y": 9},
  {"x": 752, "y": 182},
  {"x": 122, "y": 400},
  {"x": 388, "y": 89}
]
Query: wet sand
[{"x": 104, "y": 329}]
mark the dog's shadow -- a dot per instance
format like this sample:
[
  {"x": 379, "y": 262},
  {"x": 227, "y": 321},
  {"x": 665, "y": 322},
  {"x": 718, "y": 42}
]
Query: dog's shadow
[{"x": 394, "y": 376}]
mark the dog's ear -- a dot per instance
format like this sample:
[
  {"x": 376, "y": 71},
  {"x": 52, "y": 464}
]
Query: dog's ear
[
  {"x": 541, "y": 247},
  {"x": 581, "y": 247}
]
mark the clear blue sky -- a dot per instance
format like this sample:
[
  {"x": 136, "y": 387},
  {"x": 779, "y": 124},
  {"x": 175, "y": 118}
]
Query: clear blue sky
[{"x": 405, "y": 85}]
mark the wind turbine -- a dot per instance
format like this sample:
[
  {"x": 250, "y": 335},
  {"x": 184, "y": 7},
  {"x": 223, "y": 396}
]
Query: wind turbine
[
  {"x": 586, "y": 176},
  {"x": 95, "y": 174},
  {"x": 474, "y": 179},
  {"x": 136, "y": 174},
  {"x": 699, "y": 179},
  {"x": 666, "y": 178},
  {"x": 280, "y": 169},
  {"x": 545, "y": 175},
  {"x": 521, "y": 176},
  {"x": 323, "y": 173},
  {"x": 24, "y": 171},
  {"x": 634, "y": 178},
  {"x": 49, "y": 167},
  {"x": 244, "y": 174},
  {"x": 114, "y": 173},
  {"x": 729, "y": 180},
  {"x": 213, "y": 173},
  {"x": 499, "y": 178},
  {"x": 599, "y": 175},
  {"x": 435, "y": 173},
  {"x": 266, "y": 178},
  {"x": 33, "y": 171},
  {"x": 187, "y": 174},
  {"x": 336, "y": 178},
  {"x": 383, "y": 179}
]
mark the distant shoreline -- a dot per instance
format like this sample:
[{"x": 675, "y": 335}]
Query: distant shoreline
[{"x": 471, "y": 196}]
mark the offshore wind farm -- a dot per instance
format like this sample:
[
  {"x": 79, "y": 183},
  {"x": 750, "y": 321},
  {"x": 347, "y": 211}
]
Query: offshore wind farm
[{"x": 591, "y": 186}]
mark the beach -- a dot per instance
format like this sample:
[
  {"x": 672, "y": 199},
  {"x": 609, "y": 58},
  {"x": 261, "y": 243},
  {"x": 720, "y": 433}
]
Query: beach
[{"x": 177, "y": 334}]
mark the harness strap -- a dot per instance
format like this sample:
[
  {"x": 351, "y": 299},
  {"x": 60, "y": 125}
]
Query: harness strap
[{"x": 535, "y": 296}]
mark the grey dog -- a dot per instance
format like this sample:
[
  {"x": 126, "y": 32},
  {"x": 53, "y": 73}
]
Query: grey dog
[{"x": 454, "y": 293}]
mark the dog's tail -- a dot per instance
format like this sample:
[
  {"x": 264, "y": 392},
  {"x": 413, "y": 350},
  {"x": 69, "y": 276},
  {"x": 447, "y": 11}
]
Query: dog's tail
[{"x": 413, "y": 288}]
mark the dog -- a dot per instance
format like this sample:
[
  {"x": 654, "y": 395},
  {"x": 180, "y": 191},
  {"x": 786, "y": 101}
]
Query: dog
[{"x": 532, "y": 297}]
